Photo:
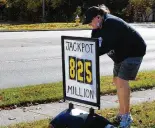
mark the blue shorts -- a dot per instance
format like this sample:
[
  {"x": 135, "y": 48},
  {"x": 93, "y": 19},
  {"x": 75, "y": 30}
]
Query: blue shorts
[{"x": 128, "y": 68}]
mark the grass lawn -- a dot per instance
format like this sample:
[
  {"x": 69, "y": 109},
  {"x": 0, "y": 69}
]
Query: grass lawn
[
  {"x": 42, "y": 26},
  {"x": 45, "y": 93},
  {"x": 143, "y": 115}
]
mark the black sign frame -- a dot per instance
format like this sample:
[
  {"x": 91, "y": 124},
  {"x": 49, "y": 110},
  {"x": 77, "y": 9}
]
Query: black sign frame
[{"x": 97, "y": 104}]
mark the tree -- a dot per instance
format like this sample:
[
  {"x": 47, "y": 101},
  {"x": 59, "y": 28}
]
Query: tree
[
  {"x": 16, "y": 9},
  {"x": 2, "y": 7},
  {"x": 2, "y": 3},
  {"x": 24, "y": 10},
  {"x": 140, "y": 9},
  {"x": 56, "y": 3},
  {"x": 62, "y": 10},
  {"x": 34, "y": 10}
]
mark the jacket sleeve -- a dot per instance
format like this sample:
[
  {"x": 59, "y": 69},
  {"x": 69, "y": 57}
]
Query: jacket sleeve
[{"x": 95, "y": 33}]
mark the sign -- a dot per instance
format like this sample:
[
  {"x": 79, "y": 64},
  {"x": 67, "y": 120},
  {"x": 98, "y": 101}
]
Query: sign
[{"x": 80, "y": 66}]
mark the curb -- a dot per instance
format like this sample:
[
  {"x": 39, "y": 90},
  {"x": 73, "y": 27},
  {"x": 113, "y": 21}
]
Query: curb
[
  {"x": 147, "y": 25},
  {"x": 44, "y": 30}
]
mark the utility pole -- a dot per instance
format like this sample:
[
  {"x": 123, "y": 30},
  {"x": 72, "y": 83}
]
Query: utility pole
[{"x": 43, "y": 10}]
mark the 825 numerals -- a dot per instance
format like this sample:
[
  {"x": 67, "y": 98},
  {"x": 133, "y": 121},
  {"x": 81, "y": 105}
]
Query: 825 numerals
[{"x": 80, "y": 70}]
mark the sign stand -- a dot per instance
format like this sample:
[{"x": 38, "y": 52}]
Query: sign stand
[
  {"x": 71, "y": 106},
  {"x": 81, "y": 76},
  {"x": 91, "y": 110},
  {"x": 80, "y": 64},
  {"x": 81, "y": 79}
]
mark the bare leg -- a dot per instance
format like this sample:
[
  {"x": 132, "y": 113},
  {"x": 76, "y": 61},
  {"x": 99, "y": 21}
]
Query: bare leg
[
  {"x": 123, "y": 93},
  {"x": 51, "y": 126}
]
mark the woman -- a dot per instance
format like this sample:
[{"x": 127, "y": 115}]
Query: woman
[{"x": 125, "y": 47}]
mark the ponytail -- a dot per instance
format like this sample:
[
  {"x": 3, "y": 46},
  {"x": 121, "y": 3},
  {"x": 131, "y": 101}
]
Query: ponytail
[{"x": 104, "y": 9}]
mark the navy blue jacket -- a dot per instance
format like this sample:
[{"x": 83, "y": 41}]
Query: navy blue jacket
[{"x": 120, "y": 40}]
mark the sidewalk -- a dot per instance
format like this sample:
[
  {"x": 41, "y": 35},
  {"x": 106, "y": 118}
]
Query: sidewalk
[
  {"x": 44, "y": 111},
  {"x": 144, "y": 24}
]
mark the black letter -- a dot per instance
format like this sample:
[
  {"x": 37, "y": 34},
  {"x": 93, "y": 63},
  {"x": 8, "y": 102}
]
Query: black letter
[
  {"x": 91, "y": 48},
  {"x": 70, "y": 88},
  {"x": 67, "y": 48}
]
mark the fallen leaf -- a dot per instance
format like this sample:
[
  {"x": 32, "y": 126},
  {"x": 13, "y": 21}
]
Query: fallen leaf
[
  {"x": 24, "y": 109},
  {"x": 11, "y": 118},
  {"x": 140, "y": 121}
]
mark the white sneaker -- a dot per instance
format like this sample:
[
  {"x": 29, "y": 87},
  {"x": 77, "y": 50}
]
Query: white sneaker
[{"x": 109, "y": 126}]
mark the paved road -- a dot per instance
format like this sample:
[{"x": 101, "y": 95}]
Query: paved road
[{"x": 29, "y": 58}]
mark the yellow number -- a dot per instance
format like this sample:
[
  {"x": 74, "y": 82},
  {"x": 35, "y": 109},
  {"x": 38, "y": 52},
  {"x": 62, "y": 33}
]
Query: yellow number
[
  {"x": 80, "y": 71},
  {"x": 88, "y": 72},
  {"x": 72, "y": 69},
  {"x": 80, "y": 68}
]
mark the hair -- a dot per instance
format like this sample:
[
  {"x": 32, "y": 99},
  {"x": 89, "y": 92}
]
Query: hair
[{"x": 103, "y": 9}]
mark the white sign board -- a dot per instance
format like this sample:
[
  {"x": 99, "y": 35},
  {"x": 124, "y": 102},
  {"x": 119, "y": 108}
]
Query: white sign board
[{"x": 80, "y": 63}]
